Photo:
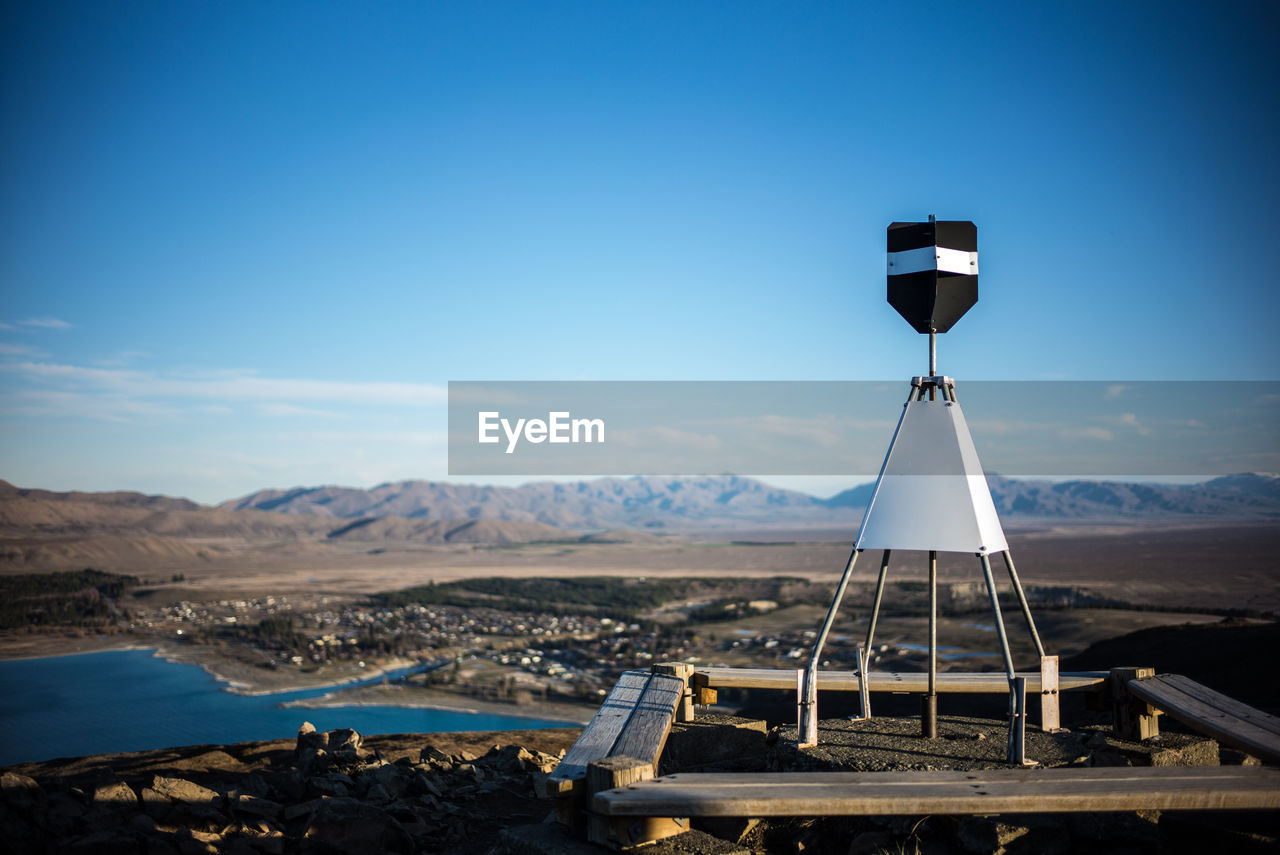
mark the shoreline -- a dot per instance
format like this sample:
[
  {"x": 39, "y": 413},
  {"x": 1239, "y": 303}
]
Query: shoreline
[
  {"x": 434, "y": 699},
  {"x": 221, "y": 669},
  {"x": 237, "y": 686}
]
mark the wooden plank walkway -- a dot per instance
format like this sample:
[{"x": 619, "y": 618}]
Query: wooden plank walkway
[
  {"x": 1225, "y": 719},
  {"x": 993, "y": 682},
  {"x": 996, "y": 791}
]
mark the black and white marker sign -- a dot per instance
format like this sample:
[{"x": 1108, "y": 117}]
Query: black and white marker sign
[{"x": 933, "y": 272}]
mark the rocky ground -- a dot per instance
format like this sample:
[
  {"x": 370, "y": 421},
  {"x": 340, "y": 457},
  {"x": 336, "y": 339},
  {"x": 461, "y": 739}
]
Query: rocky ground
[
  {"x": 331, "y": 792},
  {"x": 337, "y": 793}
]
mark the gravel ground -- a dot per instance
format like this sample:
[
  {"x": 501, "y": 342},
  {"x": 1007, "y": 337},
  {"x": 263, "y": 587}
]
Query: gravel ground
[{"x": 895, "y": 744}]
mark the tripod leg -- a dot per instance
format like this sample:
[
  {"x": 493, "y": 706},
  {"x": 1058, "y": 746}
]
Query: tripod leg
[
  {"x": 1022, "y": 601},
  {"x": 1004, "y": 647},
  {"x": 863, "y": 663},
  {"x": 929, "y": 708},
  {"x": 809, "y": 703}
]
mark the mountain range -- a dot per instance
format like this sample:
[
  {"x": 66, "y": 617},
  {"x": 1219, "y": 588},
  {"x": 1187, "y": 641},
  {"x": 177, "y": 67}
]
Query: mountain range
[
  {"x": 46, "y": 529},
  {"x": 649, "y": 502}
]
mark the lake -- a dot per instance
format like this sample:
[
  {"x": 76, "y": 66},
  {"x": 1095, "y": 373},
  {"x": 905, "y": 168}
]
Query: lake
[{"x": 131, "y": 700}]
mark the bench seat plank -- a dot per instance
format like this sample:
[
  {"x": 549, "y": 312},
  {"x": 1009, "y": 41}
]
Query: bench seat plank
[
  {"x": 646, "y": 732},
  {"x": 1225, "y": 719},
  {"x": 600, "y": 734},
  {"x": 938, "y": 792}
]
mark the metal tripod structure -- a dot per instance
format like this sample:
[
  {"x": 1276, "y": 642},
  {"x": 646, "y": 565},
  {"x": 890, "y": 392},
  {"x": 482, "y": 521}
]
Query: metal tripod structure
[{"x": 899, "y": 516}]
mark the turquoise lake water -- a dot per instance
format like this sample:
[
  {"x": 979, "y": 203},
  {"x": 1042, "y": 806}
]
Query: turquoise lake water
[{"x": 130, "y": 700}]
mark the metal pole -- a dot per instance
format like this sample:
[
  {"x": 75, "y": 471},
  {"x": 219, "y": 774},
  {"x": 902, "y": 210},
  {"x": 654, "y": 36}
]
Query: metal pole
[
  {"x": 864, "y": 659},
  {"x": 1018, "y": 738},
  {"x": 875, "y": 606},
  {"x": 1004, "y": 649},
  {"x": 995, "y": 608},
  {"x": 809, "y": 711},
  {"x": 929, "y": 709},
  {"x": 1022, "y": 601}
]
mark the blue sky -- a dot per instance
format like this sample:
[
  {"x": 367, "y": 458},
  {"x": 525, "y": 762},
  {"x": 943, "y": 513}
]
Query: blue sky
[{"x": 247, "y": 245}]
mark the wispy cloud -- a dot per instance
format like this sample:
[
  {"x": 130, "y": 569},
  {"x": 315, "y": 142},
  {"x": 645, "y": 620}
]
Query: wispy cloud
[
  {"x": 1130, "y": 420},
  {"x": 1115, "y": 391},
  {"x": 278, "y": 410},
  {"x": 1088, "y": 433},
  {"x": 11, "y": 349},
  {"x": 119, "y": 393},
  {"x": 45, "y": 323}
]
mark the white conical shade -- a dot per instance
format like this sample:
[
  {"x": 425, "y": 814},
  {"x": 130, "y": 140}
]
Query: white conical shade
[{"x": 931, "y": 494}]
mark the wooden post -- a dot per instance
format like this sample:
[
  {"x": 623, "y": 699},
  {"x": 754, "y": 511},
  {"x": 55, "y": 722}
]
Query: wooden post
[
  {"x": 1050, "y": 709},
  {"x": 1131, "y": 718},
  {"x": 703, "y": 694},
  {"x": 611, "y": 773},
  {"x": 683, "y": 671}
]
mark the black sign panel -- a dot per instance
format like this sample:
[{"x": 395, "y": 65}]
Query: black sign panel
[{"x": 927, "y": 280}]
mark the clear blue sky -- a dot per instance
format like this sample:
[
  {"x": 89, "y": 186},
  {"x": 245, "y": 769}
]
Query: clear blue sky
[{"x": 247, "y": 244}]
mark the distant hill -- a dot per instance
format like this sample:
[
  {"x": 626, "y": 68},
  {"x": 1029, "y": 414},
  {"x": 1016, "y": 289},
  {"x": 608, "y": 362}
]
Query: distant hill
[
  {"x": 118, "y": 498},
  {"x": 41, "y": 529},
  {"x": 1248, "y": 494},
  {"x": 642, "y": 502}
]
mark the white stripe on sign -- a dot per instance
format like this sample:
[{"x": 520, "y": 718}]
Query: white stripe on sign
[{"x": 933, "y": 258}]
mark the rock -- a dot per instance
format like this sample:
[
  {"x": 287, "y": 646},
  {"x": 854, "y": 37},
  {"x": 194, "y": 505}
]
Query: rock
[
  {"x": 192, "y": 842},
  {"x": 64, "y": 815},
  {"x": 436, "y": 759},
  {"x": 350, "y": 826},
  {"x": 155, "y": 804},
  {"x": 1232, "y": 757},
  {"x": 22, "y": 794},
  {"x": 301, "y": 809},
  {"x": 286, "y": 786},
  {"x": 186, "y": 792},
  {"x": 114, "y": 842},
  {"x": 392, "y": 778},
  {"x": 19, "y": 831},
  {"x": 428, "y": 783},
  {"x": 310, "y": 741},
  {"x": 326, "y": 786},
  {"x": 1167, "y": 749},
  {"x": 115, "y": 796},
  {"x": 272, "y": 843},
  {"x": 344, "y": 739},
  {"x": 981, "y": 835},
  {"x": 254, "y": 806}
]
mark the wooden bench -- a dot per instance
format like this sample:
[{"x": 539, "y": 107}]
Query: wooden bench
[
  {"x": 1225, "y": 719},
  {"x": 632, "y": 723},
  {"x": 993, "y": 682},
  {"x": 996, "y": 791},
  {"x": 1047, "y": 683}
]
